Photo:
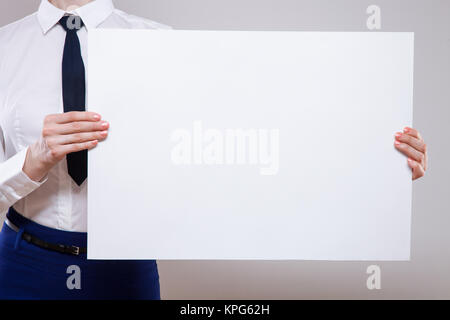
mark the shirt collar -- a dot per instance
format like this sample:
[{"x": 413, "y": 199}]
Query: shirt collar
[{"x": 92, "y": 14}]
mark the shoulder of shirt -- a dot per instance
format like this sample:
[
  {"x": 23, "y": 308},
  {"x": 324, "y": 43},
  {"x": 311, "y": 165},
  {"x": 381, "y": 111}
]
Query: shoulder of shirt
[
  {"x": 9, "y": 31},
  {"x": 136, "y": 22},
  {"x": 13, "y": 30},
  {"x": 16, "y": 29}
]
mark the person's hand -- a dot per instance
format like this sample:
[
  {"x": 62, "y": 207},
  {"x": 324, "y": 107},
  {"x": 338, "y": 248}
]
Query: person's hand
[
  {"x": 62, "y": 134},
  {"x": 410, "y": 143}
]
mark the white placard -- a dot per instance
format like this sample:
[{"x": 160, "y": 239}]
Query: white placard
[{"x": 250, "y": 145}]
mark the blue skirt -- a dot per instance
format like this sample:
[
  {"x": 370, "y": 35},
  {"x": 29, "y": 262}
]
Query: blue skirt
[{"x": 30, "y": 272}]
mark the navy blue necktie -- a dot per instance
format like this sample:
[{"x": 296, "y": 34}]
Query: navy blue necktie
[{"x": 74, "y": 89}]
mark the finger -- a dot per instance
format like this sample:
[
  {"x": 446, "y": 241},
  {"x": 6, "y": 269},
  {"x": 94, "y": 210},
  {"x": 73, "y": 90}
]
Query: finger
[
  {"x": 80, "y": 126},
  {"x": 417, "y": 170},
  {"x": 65, "y": 149},
  {"x": 78, "y": 137},
  {"x": 409, "y": 151},
  {"x": 72, "y": 116},
  {"x": 412, "y": 141},
  {"x": 412, "y": 132}
]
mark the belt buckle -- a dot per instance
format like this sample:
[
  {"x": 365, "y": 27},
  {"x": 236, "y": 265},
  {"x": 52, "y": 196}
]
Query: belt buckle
[{"x": 75, "y": 250}]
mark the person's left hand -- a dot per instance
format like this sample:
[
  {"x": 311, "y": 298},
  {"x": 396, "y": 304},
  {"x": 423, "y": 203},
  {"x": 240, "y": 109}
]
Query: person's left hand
[{"x": 410, "y": 143}]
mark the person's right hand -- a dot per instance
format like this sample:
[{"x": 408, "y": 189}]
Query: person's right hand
[{"x": 62, "y": 134}]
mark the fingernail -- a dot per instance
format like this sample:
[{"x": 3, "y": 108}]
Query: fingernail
[
  {"x": 104, "y": 133},
  {"x": 96, "y": 117},
  {"x": 398, "y": 134},
  {"x": 104, "y": 124},
  {"x": 396, "y": 143},
  {"x": 406, "y": 129}
]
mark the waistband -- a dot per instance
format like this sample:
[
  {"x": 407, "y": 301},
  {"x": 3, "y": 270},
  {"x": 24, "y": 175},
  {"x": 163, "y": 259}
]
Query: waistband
[{"x": 45, "y": 233}]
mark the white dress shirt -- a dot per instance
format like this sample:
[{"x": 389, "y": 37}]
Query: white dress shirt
[{"x": 31, "y": 53}]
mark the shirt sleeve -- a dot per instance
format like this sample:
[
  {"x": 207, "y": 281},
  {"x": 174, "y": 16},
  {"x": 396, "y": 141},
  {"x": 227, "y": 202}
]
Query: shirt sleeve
[{"x": 14, "y": 183}]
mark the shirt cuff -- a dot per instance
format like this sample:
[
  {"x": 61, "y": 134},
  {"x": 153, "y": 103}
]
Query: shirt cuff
[{"x": 13, "y": 178}]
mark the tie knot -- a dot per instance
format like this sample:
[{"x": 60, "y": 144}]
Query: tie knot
[{"x": 71, "y": 23}]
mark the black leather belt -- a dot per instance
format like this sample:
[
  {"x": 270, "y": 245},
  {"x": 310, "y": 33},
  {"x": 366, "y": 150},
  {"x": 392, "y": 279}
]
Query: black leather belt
[{"x": 62, "y": 248}]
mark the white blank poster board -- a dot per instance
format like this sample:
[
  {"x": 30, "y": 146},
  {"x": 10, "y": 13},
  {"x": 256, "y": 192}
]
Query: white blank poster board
[{"x": 250, "y": 145}]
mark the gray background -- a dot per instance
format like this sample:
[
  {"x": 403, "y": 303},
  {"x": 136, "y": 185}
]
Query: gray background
[{"x": 427, "y": 275}]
